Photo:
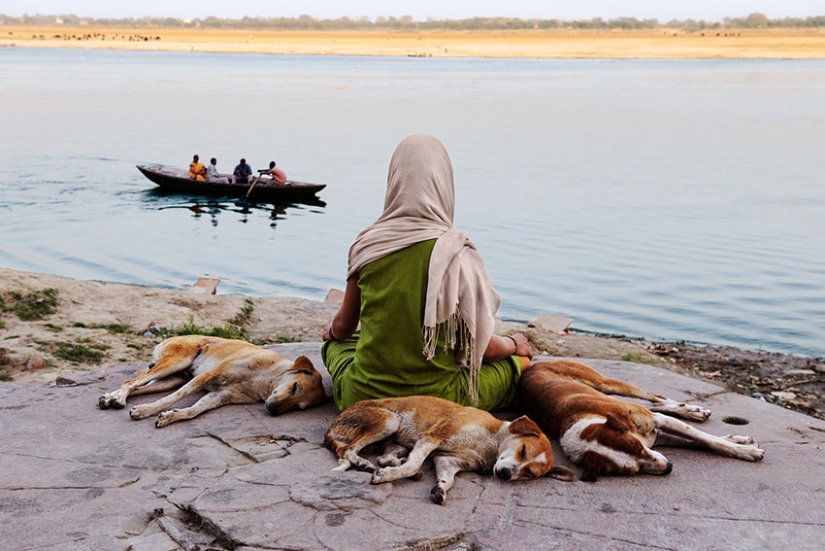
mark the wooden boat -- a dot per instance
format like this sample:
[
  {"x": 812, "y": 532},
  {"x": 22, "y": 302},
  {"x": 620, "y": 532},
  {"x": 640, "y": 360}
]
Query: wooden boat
[{"x": 265, "y": 190}]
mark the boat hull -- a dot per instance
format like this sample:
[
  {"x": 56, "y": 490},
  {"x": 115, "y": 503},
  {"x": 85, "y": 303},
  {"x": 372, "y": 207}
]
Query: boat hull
[{"x": 265, "y": 190}]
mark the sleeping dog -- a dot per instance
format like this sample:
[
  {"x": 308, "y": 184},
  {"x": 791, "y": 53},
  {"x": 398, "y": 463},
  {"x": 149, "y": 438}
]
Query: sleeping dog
[
  {"x": 460, "y": 438},
  {"x": 606, "y": 435},
  {"x": 232, "y": 371}
]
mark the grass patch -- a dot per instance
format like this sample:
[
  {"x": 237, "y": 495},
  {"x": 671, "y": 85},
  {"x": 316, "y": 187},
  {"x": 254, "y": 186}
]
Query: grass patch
[
  {"x": 2, "y": 324},
  {"x": 635, "y": 358},
  {"x": 232, "y": 329},
  {"x": 5, "y": 377},
  {"x": 54, "y": 328},
  {"x": 114, "y": 328},
  {"x": 79, "y": 352},
  {"x": 33, "y": 306}
]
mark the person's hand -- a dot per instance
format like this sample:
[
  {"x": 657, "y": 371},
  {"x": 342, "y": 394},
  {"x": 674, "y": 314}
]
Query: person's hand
[
  {"x": 327, "y": 333},
  {"x": 522, "y": 345}
]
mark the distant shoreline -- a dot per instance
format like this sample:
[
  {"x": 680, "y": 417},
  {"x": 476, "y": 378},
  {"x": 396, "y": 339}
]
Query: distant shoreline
[{"x": 647, "y": 44}]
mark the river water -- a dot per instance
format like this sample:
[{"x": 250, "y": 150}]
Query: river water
[{"x": 665, "y": 199}]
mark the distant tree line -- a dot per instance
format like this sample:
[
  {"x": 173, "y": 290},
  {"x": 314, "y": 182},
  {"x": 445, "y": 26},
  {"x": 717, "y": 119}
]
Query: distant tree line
[{"x": 406, "y": 23}]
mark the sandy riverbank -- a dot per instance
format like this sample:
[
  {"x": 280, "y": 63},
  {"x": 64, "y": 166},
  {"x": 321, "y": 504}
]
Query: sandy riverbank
[
  {"x": 120, "y": 322},
  {"x": 660, "y": 43}
]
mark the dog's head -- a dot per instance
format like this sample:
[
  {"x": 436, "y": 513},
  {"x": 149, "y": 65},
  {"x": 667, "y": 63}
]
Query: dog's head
[
  {"x": 526, "y": 453},
  {"x": 610, "y": 447},
  {"x": 300, "y": 387}
]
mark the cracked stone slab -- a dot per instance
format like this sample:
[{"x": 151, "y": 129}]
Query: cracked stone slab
[{"x": 75, "y": 477}]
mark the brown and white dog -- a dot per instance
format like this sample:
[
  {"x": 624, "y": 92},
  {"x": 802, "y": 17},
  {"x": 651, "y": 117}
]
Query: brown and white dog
[
  {"x": 460, "y": 438},
  {"x": 232, "y": 371},
  {"x": 606, "y": 435}
]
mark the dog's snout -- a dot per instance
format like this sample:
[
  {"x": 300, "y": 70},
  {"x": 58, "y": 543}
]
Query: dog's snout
[
  {"x": 668, "y": 468},
  {"x": 272, "y": 407},
  {"x": 503, "y": 473}
]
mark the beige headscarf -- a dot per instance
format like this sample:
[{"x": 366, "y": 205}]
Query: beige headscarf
[{"x": 419, "y": 205}]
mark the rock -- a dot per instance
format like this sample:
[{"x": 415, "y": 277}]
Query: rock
[
  {"x": 35, "y": 362},
  {"x": 552, "y": 323},
  {"x": 783, "y": 395}
]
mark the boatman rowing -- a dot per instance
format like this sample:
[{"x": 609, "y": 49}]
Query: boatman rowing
[{"x": 278, "y": 175}]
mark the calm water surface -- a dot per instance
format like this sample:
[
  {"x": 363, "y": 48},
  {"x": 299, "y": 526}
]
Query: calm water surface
[{"x": 672, "y": 200}]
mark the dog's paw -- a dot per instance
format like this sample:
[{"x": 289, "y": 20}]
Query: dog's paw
[
  {"x": 140, "y": 412},
  {"x": 695, "y": 413},
  {"x": 384, "y": 475},
  {"x": 438, "y": 495},
  {"x": 744, "y": 440},
  {"x": 379, "y": 476},
  {"x": 108, "y": 402},
  {"x": 746, "y": 448},
  {"x": 391, "y": 460},
  {"x": 163, "y": 419}
]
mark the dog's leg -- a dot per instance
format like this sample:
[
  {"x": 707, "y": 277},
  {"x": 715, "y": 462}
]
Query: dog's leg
[
  {"x": 352, "y": 432},
  {"x": 211, "y": 400},
  {"x": 143, "y": 411},
  {"x": 393, "y": 456},
  {"x": 446, "y": 467},
  {"x": 165, "y": 366},
  {"x": 592, "y": 378},
  {"x": 160, "y": 385},
  {"x": 418, "y": 454},
  {"x": 691, "y": 412},
  {"x": 739, "y": 447},
  {"x": 659, "y": 403}
]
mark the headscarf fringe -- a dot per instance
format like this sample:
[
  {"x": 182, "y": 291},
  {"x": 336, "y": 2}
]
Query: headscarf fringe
[{"x": 457, "y": 337}]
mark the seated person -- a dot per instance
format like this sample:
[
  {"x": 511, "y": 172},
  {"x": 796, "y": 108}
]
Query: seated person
[
  {"x": 423, "y": 299},
  {"x": 212, "y": 174},
  {"x": 197, "y": 170},
  {"x": 242, "y": 172},
  {"x": 278, "y": 175}
]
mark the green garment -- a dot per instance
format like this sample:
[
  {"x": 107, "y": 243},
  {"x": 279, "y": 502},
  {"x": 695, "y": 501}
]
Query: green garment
[{"x": 385, "y": 358}]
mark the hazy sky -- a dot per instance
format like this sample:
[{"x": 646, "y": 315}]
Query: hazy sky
[{"x": 420, "y": 10}]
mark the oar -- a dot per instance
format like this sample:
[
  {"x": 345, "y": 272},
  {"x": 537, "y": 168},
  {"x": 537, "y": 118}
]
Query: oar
[{"x": 255, "y": 181}]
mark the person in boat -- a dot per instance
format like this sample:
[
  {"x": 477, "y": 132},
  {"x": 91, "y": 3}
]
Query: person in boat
[
  {"x": 196, "y": 170},
  {"x": 242, "y": 172},
  {"x": 278, "y": 175},
  {"x": 423, "y": 298},
  {"x": 212, "y": 174}
]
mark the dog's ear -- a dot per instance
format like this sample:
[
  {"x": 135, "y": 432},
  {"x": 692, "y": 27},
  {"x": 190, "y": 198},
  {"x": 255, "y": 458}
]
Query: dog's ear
[
  {"x": 591, "y": 463},
  {"x": 561, "y": 473},
  {"x": 614, "y": 423},
  {"x": 524, "y": 426},
  {"x": 302, "y": 362}
]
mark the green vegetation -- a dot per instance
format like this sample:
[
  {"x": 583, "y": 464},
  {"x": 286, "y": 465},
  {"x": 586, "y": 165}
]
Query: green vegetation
[
  {"x": 81, "y": 351},
  {"x": 114, "y": 328},
  {"x": 635, "y": 358},
  {"x": 232, "y": 329},
  {"x": 407, "y": 23},
  {"x": 54, "y": 328},
  {"x": 33, "y": 306}
]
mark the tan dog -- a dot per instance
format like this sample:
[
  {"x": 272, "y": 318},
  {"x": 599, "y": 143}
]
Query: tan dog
[
  {"x": 232, "y": 371},
  {"x": 460, "y": 438},
  {"x": 610, "y": 436}
]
